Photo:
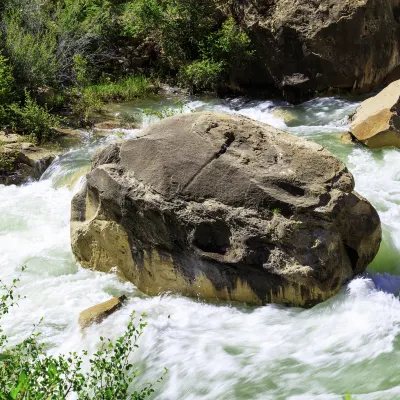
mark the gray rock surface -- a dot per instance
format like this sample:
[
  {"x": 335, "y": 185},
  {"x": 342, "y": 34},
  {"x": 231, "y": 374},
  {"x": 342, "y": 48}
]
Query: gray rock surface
[{"x": 221, "y": 206}]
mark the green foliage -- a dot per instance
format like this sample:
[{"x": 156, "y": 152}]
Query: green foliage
[
  {"x": 125, "y": 89},
  {"x": 34, "y": 120},
  {"x": 27, "y": 372},
  {"x": 166, "y": 112},
  {"x": 84, "y": 104},
  {"x": 80, "y": 69},
  {"x": 6, "y": 81},
  {"x": 60, "y": 52},
  {"x": 276, "y": 211},
  {"x": 90, "y": 100},
  {"x": 190, "y": 38},
  {"x": 33, "y": 55},
  {"x": 202, "y": 75},
  {"x": 7, "y": 159},
  {"x": 229, "y": 45}
]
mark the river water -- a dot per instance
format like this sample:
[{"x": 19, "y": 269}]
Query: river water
[{"x": 218, "y": 351}]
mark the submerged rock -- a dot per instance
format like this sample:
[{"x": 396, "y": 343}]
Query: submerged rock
[
  {"x": 98, "y": 313},
  {"x": 221, "y": 206},
  {"x": 377, "y": 121},
  {"x": 21, "y": 162},
  {"x": 303, "y": 47}
]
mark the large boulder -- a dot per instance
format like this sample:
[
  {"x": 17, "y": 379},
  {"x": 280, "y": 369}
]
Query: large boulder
[
  {"x": 304, "y": 47},
  {"x": 221, "y": 206},
  {"x": 377, "y": 121}
]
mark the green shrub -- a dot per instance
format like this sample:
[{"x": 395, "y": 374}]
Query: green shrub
[
  {"x": 7, "y": 159},
  {"x": 34, "y": 120},
  {"x": 84, "y": 104},
  {"x": 229, "y": 44},
  {"x": 33, "y": 56},
  {"x": 27, "y": 372},
  {"x": 202, "y": 75},
  {"x": 6, "y": 81}
]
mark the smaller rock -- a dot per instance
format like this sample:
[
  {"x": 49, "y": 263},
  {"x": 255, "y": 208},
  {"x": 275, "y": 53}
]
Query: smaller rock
[
  {"x": 98, "y": 313},
  {"x": 376, "y": 123},
  {"x": 288, "y": 115},
  {"x": 347, "y": 138},
  {"x": 21, "y": 162},
  {"x": 114, "y": 124}
]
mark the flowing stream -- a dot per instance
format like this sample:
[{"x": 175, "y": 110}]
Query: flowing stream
[{"x": 215, "y": 350}]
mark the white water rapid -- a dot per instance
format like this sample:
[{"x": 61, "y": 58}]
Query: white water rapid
[{"x": 218, "y": 351}]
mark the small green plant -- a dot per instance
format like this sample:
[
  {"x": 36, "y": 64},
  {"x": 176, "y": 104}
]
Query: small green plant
[
  {"x": 6, "y": 81},
  {"x": 80, "y": 69},
  {"x": 34, "y": 120},
  {"x": 202, "y": 75},
  {"x": 33, "y": 54},
  {"x": 276, "y": 211},
  {"x": 129, "y": 88},
  {"x": 28, "y": 373},
  {"x": 166, "y": 112},
  {"x": 84, "y": 104},
  {"x": 7, "y": 159}
]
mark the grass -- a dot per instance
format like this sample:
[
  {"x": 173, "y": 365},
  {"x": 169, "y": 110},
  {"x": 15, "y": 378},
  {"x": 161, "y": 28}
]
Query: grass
[{"x": 125, "y": 89}]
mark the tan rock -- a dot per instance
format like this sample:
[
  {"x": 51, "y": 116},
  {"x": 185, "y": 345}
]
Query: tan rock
[
  {"x": 347, "y": 138},
  {"x": 113, "y": 124},
  {"x": 377, "y": 121},
  {"x": 98, "y": 313},
  {"x": 21, "y": 161},
  {"x": 221, "y": 206}
]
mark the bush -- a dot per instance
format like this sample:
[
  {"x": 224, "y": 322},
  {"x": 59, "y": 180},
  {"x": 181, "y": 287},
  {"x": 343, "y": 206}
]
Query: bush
[
  {"x": 27, "y": 372},
  {"x": 202, "y": 75},
  {"x": 6, "y": 81},
  {"x": 229, "y": 44},
  {"x": 33, "y": 56},
  {"x": 84, "y": 104},
  {"x": 34, "y": 120},
  {"x": 89, "y": 100}
]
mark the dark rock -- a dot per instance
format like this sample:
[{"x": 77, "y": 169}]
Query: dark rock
[{"x": 304, "y": 47}]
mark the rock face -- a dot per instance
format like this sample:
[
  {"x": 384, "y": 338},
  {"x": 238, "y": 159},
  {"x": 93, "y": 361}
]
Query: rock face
[
  {"x": 377, "y": 122},
  {"x": 21, "y": 162},
  {"x": 221, "y": 206},
  {"x": 305, "y": 46}
]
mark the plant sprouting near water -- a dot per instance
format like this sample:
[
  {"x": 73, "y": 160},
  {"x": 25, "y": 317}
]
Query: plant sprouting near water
[
  {"x": 28, "y": 372},
  {"x": 167, "y": 112}
]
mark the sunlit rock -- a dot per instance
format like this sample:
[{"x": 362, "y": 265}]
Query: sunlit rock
[
  {"x": 221, "y": 206},
  {"x": 20, "y": 161},
  {"x": 98, "y": 313},
  {"x": 377, "y": 121}
]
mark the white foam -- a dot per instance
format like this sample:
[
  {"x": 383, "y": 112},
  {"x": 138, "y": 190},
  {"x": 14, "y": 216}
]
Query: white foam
[{"x": 348, "y": 344}]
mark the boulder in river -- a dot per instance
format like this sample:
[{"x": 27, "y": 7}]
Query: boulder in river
[
  {"x": 304, "y": 47},
  {"x": 98, "y": 313},
  {"x": 221, "y": 206},
  {"x": 377, "y": 121}
]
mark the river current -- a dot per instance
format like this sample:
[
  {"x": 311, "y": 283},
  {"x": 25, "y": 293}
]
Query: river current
[{"x": 215, "y": 350}]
